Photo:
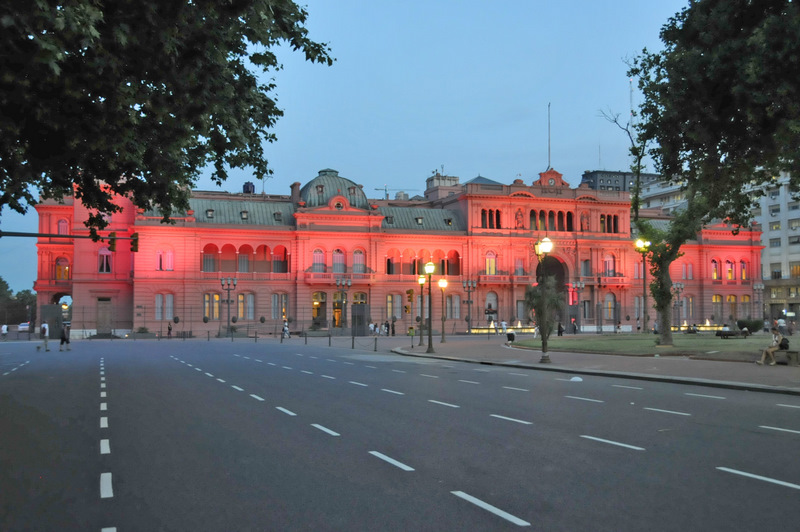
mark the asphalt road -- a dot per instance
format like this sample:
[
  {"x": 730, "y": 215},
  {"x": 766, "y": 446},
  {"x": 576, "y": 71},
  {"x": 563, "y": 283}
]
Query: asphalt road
[{"x": 243, "y": 436}]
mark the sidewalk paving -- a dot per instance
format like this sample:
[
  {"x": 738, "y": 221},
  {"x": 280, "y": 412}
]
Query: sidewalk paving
[{"x": 717, "y": 369}]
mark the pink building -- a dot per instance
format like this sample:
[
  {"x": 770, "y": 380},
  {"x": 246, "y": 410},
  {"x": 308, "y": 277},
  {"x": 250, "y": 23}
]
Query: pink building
[{"x": 327, "y": 257}]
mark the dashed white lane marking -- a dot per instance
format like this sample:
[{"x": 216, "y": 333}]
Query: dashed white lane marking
[
  {"x": 298, "y": 354},
  {"x": 392, "y": 461},
  {"x": 667, "y": 411},
  {"x": 330, "y": 360},
  {"x": 371, "y": 367},
  {"x": 398, "y": 371},
  {"x": 220, "y": 380},
  {"x": 516, "y": 389},
  {"x": 248, "y": 358},
  {"x": 315, "y": 358},
  {"x": 237, "y": 388},
  {"x": 254, "y": 396},
  {"x": 190, "y": 365},
  {"x": 109, "y": 529},
  {"x": 349, "y": 363},
  {"x": 198, "y": 369},
  {"x": 759, "y": 477},
  {"x": 236, "y": 355},
  {"x": 103, "y": 394},
  {"x": 105, "y": 447},
  {"x": 257, "y": 360},
  {"x": 325, "y": 429},
  {"x": 429, "y": 376},
  {"x": 306, "y": 372},
  {"x": 391, "y": 391},
  {"x": 788, "y": 406},
  {"x": 102, "y": 385},
  {"x": 493, "y": 509},
  {"x": 286, "y": 367},
  {"x": 443, "y": 404},
  {"x": 285, "y": 411},
  {"x": 487, "y": 371},
  {"x": 106, "y": 489},
  {"x": 610, "y": 442},
  {"x": 584, "y": 399},
  {"x": 101, "y": 373},
  {"x": 209, "y": 374},
  {"x": 627, "y": 387},
  {"x": 519, "y": 374},
  {"x": 102, "y": 378},
  {"x": 327, "y": 377},
  {"x": 704, "y": 396},
  {"x": 511, "y": 419},
  {"x": 468, "y": 382},
  {"x": 779, "y": 429},
  {"x": 358, "y": 383},
  {"x": 103, "y": 406},
  {"x": 103, "y": 422}
]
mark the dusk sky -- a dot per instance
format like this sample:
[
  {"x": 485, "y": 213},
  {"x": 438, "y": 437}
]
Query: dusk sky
[{"x": 421, "y": 85}]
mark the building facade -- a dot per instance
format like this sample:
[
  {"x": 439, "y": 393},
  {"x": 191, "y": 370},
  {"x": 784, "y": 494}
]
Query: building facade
[{"x": 326, "y": 257}]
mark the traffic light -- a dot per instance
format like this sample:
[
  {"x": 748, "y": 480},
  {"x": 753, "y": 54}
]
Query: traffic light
[
  {"x": 112, "y": 241},
  {"x": 135, "y": 242},
  {"x": 410, "y": 293},
  {"x": 407, "y": 309}
]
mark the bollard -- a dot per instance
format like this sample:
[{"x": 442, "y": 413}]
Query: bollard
[
  {"x": 256, "y": 337},
  {"x": 306, "y": 336},
  {"x": 353, "y": 344},
  {"x": 281, "y": 338},
  {"x": 329, "y": 338},
  {"x": 376, "y": 345},
  {"x": 209, "y": 335}
]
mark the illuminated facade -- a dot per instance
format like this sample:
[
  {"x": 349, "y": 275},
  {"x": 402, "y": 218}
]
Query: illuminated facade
[{"x": 327, "y": 257}]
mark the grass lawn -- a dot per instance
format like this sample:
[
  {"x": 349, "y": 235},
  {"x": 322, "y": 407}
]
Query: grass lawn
[{"x": 646, "y": 344}]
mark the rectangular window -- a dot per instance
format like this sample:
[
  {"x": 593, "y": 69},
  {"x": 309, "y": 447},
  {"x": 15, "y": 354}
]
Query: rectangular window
[
  {"x": 211, "y": 306},
  {"x": 280, "y": 306},
  {"x": 169, "y": 307},
  {"x": 105, "y": 263},
  {"x": 358, "y": 262},
  {"x": 775, "y": 293},
  {"x": 454, "y": 307},
  {"x": 491, "y": 266},
  {"x": 794, "y": 224},
  {"x": 159, "y": 307},
  {"x": 794, "y": 206},
  {"x": 244, "y": 263},
  {"x": 586, "y": 268},
  {"x": 209, "y": 262},
  {"x": 794, "y": 240},
  {"x": 774, "y": 242},
  {"x": 775, "y": 271},
  {"x": 240, "y": 307},
  {"x": 519, "y": 267},
  {"x": 774, "y": 210},
  {"x": 794, "y": 270},
  {"x": 774, "y": 226},
  {"x": 251, "y": 304}
]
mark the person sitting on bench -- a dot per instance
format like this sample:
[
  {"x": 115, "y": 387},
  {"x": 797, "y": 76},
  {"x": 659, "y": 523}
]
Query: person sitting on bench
[{"x": 770, "y": 350}]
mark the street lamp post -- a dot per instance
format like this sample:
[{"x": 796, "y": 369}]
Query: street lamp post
[
  {"x": 469, "y": 286},
  {"x": 542, "y": 248},
  {"x": 429, "y": 267},
  {"x": 678, "y": 288},
  {"x": 443, "y": 285},
  {"x": 342, "y": 285},
  {"x": 578, "y": 286},
  {"x": 643, "y": 246},
  {"x": 421, "y": 282},
  {"x": 229, "y": 285}
]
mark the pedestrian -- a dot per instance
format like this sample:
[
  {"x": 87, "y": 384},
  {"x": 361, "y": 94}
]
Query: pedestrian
[
  {"x": 64, "y": 338},
  {"x": 4, "y": 331},
  {"x": 770, "y": 350},
  {"x": 169, "y": 331},
  {"x": 392, "y": 327},
  {"x": 504, "y": 325},
  {"x": 560, "y": 329},
  {"x": 619, "y": 327},
  {"x": 371, "y": 328},
  {"x": 44, "y": 333},
  {"x": 286, "y": 333},
  {"x": 386, "y": 328},
  {"x": 782, "y": 326}
]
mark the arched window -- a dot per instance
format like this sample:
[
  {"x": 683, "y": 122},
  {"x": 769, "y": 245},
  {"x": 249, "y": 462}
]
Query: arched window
[
  {"x": 358, "y": 262},
  {"x": 730, "y": 272},
  {"x": 609, "y": 307},
  {"x": 63, "y": 227},
  {"x": 338, "y": 261},
  {"x": 104, "y": 260},
  {"x": 62, "y": 269},
  {"x": 716, "y": 309},
  {"x": 491, "y": 306},
  {"x": 715, "y": 274},
  {"x": 164, "y": 260},
  {"x": 733, "y": 308},
  {"x": 609, "y": 267},
  {"x": 491, "y": 263},
  {"x": 743, "y": 274},
  {"x": 319, "y": 261}
]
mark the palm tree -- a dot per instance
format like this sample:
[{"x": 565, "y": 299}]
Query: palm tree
[{"x": 546, "y": 303}]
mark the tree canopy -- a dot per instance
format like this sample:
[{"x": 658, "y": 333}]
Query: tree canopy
[
  {"x": 721, "y": 115},
  {"x": 137, "y": 97}
]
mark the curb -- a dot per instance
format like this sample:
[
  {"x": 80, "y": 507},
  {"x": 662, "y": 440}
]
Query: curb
[{"x": 618, "y": 374}]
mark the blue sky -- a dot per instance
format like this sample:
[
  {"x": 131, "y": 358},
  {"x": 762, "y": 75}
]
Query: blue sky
[{"x": 418, "y": 85}]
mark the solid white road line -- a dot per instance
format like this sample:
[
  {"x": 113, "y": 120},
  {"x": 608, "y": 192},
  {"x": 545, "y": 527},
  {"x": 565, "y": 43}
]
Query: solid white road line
[
  {"x": 254, "y": 396},
  {"x": 627, "y": 387},
  {"x": 511, "y": 419},
  {"x": 105, "y": 447},
  {"x": 392, "y": 461},
  {"x": 780, "y": 429},
  {"x": 358, "y": 383},
  {"x": 584, "y": 399},
  {"x": 468, "y": 382},
  {"x": 759, "y": 477},
  {"x": 325, "y": 429},
  {"x": 704, "y": 396},
  {"x": 493, "y": 509},
  {"x": 106, "y": 490},
  {"x": 392, "y": 391},
  {"x": 103, "y": 422},
  {"x": 443, "y": 404},
  {"x": 515, "y": 389},
  {"x": 285, "y": 411},
  {"x": 614, "y": 443},
  {"x": 237, "y": 388},
  {"x": 667, "y": 411}
]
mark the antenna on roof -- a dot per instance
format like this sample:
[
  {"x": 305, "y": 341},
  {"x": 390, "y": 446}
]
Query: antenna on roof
[{"x": 548, "y": 136}]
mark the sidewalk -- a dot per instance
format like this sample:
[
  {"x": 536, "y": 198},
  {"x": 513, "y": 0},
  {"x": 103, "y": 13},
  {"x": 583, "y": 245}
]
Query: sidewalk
[{"x": 716, "y": 369}]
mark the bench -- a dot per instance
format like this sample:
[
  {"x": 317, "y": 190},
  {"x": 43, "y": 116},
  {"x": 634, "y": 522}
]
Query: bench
[
  {"x": 733, "y": 334},
  {"x": 791, "y": 356}
]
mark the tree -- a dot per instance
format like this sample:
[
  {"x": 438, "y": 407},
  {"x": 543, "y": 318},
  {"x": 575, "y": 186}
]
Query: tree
[
  {"x": 546, "y": 303},
  {"x": 720, "y": 105},
  {"x": 136, "y": 98}
]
